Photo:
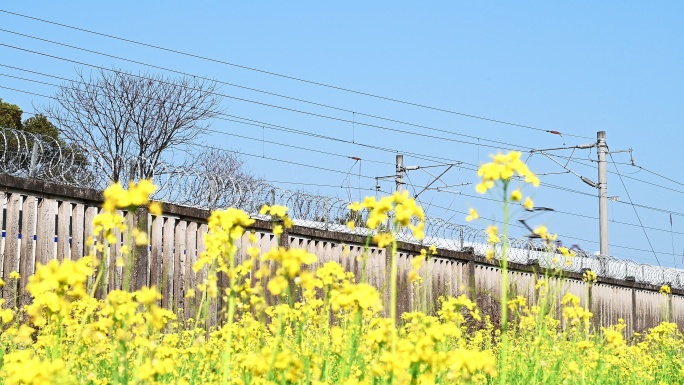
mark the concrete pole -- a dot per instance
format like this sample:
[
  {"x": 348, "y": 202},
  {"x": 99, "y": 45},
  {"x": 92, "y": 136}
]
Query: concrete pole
[
  {"x": 603, "y": 191},
  {"x": 400, "y": 173}
]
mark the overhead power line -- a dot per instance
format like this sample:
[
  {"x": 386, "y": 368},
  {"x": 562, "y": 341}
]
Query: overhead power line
[
  {"x": 635, "y": 210},
  {"x": 271, "y": 73},
  {"x": 563, "y": 236},
  {"x": 431, "y": 158},
  {"x": 342, "y": 120},
  {"x": 261, "y": 124},
  {"x": 262, "y": 91},
  {"x": 353, "y": 121}
]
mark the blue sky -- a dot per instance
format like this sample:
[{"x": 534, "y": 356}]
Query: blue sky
[{"x": 576, "y": 68}]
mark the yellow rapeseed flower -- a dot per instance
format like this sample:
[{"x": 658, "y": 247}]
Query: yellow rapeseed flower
[
  {"x": 544, "y": 233},
  {"x": 503, "y": 168},
  {"x": 277, "y": 230},
  {"x": 566, "y": 252},
  {"x": 472, "y": 215},
  {"x": 405, "y": 209},
  {"x": 383, "y": 239},
  {"x": 147, "y": 295},
  {"x": 140, "y": 237},
  {"x": 528, "y": 204},
  {"x": 155, "y": 208},
  {"x": 277, "y": 285},
  {"x": 493, "y": 234},
  {"x": 589, "y": 277}
]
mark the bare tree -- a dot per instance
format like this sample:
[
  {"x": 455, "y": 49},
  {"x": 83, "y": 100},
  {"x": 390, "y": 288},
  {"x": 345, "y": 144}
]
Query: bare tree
[
  {"x": 128, "y": 121},
  {"x": 227, "y": 181}
]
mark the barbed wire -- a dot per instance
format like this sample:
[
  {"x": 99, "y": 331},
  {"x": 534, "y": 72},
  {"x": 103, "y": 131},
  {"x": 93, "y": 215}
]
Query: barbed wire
[{"x": 33, "y": 155}]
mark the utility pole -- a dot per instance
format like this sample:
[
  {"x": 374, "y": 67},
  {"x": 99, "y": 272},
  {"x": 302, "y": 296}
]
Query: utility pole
[
  {"x": 602, "y": 150},
  {"x": 399, "y": 179},
  {"x": 601, "y": 186}
]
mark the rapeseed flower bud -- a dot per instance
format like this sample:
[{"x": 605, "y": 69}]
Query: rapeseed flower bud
[
  {"x": 503, "y": 168},
  {"x": 665, "y": 289},
  {"x": 472, "y": 215},
  {"x": 492, "y": 234},
  {"x": 589, "y": 277}
]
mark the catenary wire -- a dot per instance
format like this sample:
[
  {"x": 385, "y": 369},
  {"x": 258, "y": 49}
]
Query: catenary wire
[
  {"x": 353, "y": 121},
  {"x": 291, "y": 77},
  {"x": 376, "y": 147},
  {"x": 417, "y": 155},
  {"x": 635, "y": 210}
]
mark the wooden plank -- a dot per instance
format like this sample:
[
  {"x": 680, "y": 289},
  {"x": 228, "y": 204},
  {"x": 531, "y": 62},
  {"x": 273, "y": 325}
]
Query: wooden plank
[
  {"x": 157, "y": 252},
  {"x": 63, "y": 221},
  {"x": 114, "y": 272},
  {"x": 190, "y": 277},
  {"x": 11, "y": 260},
  {"x": 88, "y": 217},
  {"x": 45, "y": 231},
  {"x": 129, "y": 262},
  {"x": 179, "y": 257},
  {"x": 167, "y": 263},
  {"x": 3, "y": 202},
  {"x": 28, "y": 246},
  {"x": 212, "y": 304},
  {"x": 141, "y": 254},
  {"x": 77, "y": 231}
]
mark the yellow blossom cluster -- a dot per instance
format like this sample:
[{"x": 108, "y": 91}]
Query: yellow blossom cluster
[
  {"x": 589, "y": 277},
  {"x": 502, "y": 168},
  {"x": 314, "y": 324},
  {"x": 404, "y": 208},
  {"x": 138, "y": 194},
  {"x": 224, "y": 227},
  {"x": 665, "y": 289}
]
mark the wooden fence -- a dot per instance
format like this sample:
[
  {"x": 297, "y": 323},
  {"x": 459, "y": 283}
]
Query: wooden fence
[{"x": 43, "y": 221}]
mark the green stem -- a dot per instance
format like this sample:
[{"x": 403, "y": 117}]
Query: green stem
[
  {"x": 504, "y": 287},
  {"x": 229, "y": 341},
  {"x": 231, "y": 314},
  {"x": 393, "y": 292},
  {"x": 351, "y": 357}
]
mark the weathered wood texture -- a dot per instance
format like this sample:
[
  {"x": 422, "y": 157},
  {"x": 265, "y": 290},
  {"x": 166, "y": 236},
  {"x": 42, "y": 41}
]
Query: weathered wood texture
[{"x": 44, "y": 221}]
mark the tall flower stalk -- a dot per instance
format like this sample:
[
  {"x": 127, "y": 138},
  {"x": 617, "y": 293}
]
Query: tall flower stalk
[
  {"x": 498, "y": 175},
  {"x": 404, "y": 209}
]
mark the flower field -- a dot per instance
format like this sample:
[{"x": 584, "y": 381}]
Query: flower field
[{"x": 286, "y": 323}]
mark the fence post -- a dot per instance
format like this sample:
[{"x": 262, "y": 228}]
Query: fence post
[
  {"x": 28, "y": 257},
  {"x": 11, "y": 262},
  {"x": 140, "y": 273},
  {"x": 634, "y": 307},
  {"x": 472, "y": 289}
]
